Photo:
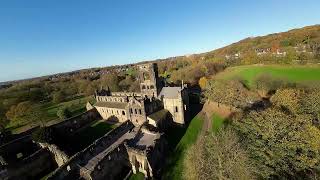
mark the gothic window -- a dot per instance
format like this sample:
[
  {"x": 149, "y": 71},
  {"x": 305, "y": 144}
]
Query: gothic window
[
  {"x": 135, "y": 111},
  {"x": 131, "y": 111},
  {"x": 143, "y": 87},
  {"x": 176, "y": 108},
  {"x": 140, "y": 111},
  {"x": 123, "y": 113}
]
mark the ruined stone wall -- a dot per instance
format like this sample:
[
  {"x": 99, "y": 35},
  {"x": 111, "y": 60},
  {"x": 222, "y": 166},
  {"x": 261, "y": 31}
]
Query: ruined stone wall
[
  {"x": 112, "y": 98},
  {"x": 113, "y": 114},
  {"x": 22, "y": 146},
  {"x": 60, "y": 157},
  {"x": 178, "y": 107},
  {"x": 71, "y": 169},
  {"x": 75, "y": 123},
  {"x": 118, "y": 158},
  {"x": 125, "y": 94},
  {"x": 33, "y": 167}
]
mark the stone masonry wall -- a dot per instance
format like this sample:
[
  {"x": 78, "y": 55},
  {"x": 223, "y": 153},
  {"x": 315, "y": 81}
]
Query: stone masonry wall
[{"x": 71, "y": 169}]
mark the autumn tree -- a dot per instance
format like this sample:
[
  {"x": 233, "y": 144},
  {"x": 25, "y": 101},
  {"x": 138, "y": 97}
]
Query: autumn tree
[
  {"x": 232, "y": 93},
  {"x": 281, "y": 144},
  {"x": 203, "y": 82},
  {"x": 58, "y": 96},
  {"x": 64, "y": 113},
  {"x": 218, "y": 156}
]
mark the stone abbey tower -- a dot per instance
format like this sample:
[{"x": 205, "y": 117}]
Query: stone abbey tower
[{"x": 150, "y": 84}]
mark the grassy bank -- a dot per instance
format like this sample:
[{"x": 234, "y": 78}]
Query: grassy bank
[
  {"x": 175, "y": 167},
  {"x": 217, "y": 122}
]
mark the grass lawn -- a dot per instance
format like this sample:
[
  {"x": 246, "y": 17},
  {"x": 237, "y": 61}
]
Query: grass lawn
[
  {"x": 291, "y": 73},
  {"x": 138, "y": 176},
  {"x": 175, "y": 167},
  {"x": 49, "y": 113},
  {"x": 217, "y": 122}
]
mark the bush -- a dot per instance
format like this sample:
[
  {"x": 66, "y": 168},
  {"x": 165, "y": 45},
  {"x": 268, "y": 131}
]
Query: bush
[
  {"x": 42, "y": 135},
  {"x": 58, "y": 97},
  {"x": 64, "y": 113}
]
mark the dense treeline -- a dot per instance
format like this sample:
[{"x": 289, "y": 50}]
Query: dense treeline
[
  {"x": 275, "y": 131},
  {"x": 20, "y": 102}
]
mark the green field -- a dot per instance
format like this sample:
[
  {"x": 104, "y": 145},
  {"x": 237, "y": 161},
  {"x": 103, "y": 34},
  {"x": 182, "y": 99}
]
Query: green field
[
  {"x": 49, "y": 113},
  {"x": 175, "y": 167},
  {"x": 217, "y": 122},
  {"x": 291, "y": 73},
  {"x": 138, "y": 176}
]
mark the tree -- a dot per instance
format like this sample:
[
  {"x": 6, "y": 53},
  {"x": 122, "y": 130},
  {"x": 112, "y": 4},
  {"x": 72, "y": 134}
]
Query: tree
[
  {"x": 280, "y": 143},
  {"x": 58, "y": 97},
  {"x": 64, "y": 113},
  {"x": 18, "y": 111},
  {"x": 42, "y": 135},
  {"x": 231, "y": 93},
  {"x": 203, "y": 82},
  {"x": 111, "y": 80},
  {"x": 218, "y": 156}
]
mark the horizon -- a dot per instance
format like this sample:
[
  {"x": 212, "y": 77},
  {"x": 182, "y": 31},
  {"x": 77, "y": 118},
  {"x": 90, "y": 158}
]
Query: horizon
[{"x": 46, "y": 38}]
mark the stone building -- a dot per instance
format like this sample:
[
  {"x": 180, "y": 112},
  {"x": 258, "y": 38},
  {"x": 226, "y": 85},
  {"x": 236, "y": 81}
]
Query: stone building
[
  {"x": 139, "y": 107},
  {"x": 138, "y": 142}
]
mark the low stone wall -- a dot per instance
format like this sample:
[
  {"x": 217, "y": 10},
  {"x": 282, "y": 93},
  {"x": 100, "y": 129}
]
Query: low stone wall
[
  {"x": 118, "y": 157},
  {"x": 75, "y": 123},
  {"x": 33, "y": 167},
  {"x": 22, "y": 146},
  {"x": 71, "y": 169},
  {"x": 59, "y": 156}
]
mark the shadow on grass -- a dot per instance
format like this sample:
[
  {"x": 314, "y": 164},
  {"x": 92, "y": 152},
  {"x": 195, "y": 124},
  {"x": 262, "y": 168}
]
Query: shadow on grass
[
  {"x": 85, "y": 137},
  {"x": 179, "y": 140}
]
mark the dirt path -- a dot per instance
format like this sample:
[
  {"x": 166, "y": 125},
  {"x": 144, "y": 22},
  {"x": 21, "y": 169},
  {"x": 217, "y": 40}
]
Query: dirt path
[{"x": 207, "y": 123}]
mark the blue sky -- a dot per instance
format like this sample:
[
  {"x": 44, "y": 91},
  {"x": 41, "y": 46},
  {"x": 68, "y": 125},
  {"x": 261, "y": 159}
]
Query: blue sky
[{"x": 41, "y": 37}]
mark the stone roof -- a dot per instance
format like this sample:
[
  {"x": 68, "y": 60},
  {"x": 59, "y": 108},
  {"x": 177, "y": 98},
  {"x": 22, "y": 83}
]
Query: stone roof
[
  {"x": 117, "y": 105},
  {"x": 170, "y": 92}
]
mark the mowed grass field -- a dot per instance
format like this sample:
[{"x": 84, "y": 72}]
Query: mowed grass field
[{"x": 290, "y": 73}]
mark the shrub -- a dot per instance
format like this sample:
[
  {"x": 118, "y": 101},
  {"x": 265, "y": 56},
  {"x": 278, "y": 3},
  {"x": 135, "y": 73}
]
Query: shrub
[
  {"x": 42, "y": 135},
  {"x": 64, "y": 113}
]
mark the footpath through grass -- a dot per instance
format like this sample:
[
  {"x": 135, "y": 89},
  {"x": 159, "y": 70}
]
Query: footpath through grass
[
  {"x": 175, "y": 167},
  {"x": 217, "y": 122},
  {"x": 291, "y": 73}
]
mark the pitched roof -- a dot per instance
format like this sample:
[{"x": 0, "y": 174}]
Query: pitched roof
[
  {"x": 170, "y": 92},
  {"x": 117, "y": 105}
]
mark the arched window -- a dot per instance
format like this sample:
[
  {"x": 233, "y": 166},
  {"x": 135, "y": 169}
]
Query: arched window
[
  {"x": 131, "y": 111},
  {"x": 152, "y": 87},
  {"x": 140, "y": 111},
  {"x": 143, "y": 87},
  {"x": 123, "y": 113},
  {"x": 176, "y": 108},
  {"x": 135, "y": 111}
]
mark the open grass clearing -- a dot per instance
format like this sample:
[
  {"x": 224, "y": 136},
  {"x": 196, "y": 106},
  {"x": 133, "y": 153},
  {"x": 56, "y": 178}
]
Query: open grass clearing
[{"x": 291, "y": 73}]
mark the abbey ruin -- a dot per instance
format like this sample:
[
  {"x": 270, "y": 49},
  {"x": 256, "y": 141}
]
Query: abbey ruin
[{"x": 138, "y": 142}]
